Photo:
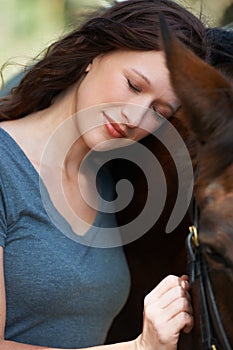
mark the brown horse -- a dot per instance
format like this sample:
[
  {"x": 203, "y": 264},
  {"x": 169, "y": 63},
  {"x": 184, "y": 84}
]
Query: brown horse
[
  {"x": 207, "y": 102},
  {"x": 207, "y": 99}
]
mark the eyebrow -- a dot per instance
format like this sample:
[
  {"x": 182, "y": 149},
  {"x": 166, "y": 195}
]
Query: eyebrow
[{"x": 142, "y": 76}]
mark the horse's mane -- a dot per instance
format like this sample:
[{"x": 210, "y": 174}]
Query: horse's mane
[
  {"x": 218, "y": 150},
  {"x": 220, "y": 43}
]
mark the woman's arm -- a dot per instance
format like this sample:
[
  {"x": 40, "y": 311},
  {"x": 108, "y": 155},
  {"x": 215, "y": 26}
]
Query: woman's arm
[{"x": 167, "y": 311}]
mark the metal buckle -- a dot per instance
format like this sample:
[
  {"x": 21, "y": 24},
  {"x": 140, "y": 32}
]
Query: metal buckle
[{"x": 193, "y": 230}]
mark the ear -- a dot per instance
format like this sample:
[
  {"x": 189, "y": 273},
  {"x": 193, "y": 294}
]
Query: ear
[
  {"x": 203, "y": 91},
  {"x": 88, "y": 68}
]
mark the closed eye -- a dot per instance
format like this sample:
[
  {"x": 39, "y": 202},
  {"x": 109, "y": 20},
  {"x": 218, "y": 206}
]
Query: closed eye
[{"x": 133, "y": 87}]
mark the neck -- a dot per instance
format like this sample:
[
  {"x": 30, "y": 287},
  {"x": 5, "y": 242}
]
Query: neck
[{"x": 55, "y": 140}]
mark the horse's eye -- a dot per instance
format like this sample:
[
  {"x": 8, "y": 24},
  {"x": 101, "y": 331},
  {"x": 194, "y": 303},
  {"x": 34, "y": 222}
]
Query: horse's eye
[{"x": 216, "y": 256}]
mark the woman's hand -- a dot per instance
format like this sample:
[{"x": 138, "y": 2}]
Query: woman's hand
[{"x": 167, "y": 311}]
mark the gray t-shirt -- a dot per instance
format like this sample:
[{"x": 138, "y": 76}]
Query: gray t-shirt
[{"x": 59, "y": 293}]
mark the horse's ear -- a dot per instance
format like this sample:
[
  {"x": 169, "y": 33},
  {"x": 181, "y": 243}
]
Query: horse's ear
[{"x": 203, "y": 91}]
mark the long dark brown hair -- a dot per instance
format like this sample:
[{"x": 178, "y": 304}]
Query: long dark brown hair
[{"x": 132, "y": 24}]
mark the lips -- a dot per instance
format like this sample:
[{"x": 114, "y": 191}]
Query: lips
[{"x": 113, "y": 128}]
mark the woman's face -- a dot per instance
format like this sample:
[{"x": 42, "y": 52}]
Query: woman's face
[{"x": 122, "y": 97}]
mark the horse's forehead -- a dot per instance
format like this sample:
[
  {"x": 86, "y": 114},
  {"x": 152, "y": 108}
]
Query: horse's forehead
[
  {"x": 215, "y": 190},
  {"x": 216, "y": 203},
  {"x": 216, "y": 225},
  {"x": 215, "y": 193},
  {"x": 218, "y": 188}
]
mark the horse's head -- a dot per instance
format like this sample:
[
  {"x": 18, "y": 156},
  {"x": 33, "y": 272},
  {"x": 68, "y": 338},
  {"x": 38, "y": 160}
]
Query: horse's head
[{"x": 206, "y": 97}]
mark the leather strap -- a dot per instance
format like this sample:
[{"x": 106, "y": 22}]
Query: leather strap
[
  {"x": 218, "y": 328},
  {"x": 212, "y": 333},
  {"x": 196, "y": 282}
]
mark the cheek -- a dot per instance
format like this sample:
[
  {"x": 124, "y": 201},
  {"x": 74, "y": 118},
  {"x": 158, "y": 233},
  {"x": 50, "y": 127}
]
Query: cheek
[
  {"x": 88, "y": 95},
  {"x": 99, "y": 92},
  {"x": 109, "y": 85},
  {"x": 111, "y": 89}
]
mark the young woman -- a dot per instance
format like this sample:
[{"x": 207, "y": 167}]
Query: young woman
[{"x": 101, "y": 87}]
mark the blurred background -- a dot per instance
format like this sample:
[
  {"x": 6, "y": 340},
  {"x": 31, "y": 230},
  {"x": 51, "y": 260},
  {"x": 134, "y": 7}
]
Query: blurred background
[{"x": 28, "y": 26}]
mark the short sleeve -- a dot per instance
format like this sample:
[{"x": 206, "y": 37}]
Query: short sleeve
[{"x": 3, "y": 221}]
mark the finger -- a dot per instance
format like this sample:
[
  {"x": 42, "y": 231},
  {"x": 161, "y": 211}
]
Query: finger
[
  {"x": 184, "y": 282},
  {"x": 188, "y": 328},
  {"x": 184, "y": 277},
  {"x": 178, "y": 306},
  {"x": 187, "y": 295},
  {"x": 165, "y": 285},
  {"x": 181, "y": 322},
  {"x": 172, "y": 295}
]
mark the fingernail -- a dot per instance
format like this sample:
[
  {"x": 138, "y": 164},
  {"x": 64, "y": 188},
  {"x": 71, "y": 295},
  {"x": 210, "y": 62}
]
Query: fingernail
[{"x": 183, "y": 284}]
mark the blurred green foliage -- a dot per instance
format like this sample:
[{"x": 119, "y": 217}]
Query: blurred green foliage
[{"x": 29, "y": 26}]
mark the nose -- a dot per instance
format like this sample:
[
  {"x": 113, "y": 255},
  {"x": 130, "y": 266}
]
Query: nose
[{"x": 134, "y": 114}]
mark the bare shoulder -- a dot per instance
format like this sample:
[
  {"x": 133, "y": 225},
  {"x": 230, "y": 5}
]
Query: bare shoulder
[
  {"x": 17, "y": 129},
  {"x": 10, "y": 125}
]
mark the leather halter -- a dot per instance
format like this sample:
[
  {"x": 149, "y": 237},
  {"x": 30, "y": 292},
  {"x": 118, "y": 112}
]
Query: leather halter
[{"x": 213, "y": 335}]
